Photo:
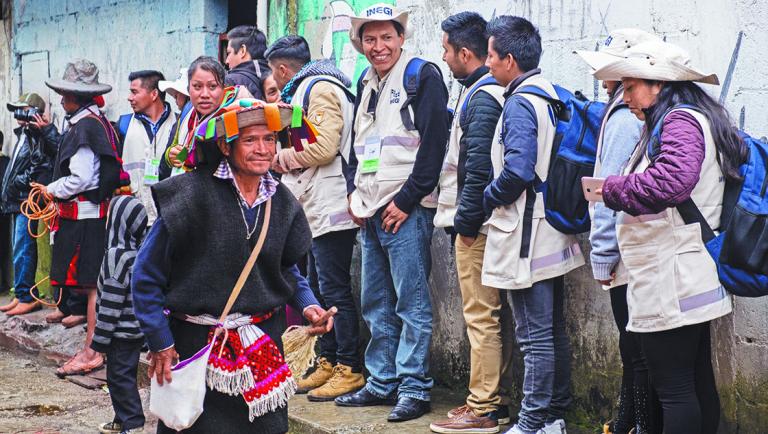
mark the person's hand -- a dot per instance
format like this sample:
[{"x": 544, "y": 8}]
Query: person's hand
[
  {"x": 320, "y": 320},
  {"x": 276, "y": 167},
  {"x": 392, "y": 218},
  {"x": 172, "y": 156},
  {"x": 358, "y": 221},
  {"x": 160, "y": 364},
  {"x": 40, "y": 122},
  {"x": 467, "y": 241},
  {"x": 609, "y": 281},
  {"x": 43, "y": 189}
]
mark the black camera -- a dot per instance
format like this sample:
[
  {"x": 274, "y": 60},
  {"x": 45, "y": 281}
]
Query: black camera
[{"x": 26, "y": 114}]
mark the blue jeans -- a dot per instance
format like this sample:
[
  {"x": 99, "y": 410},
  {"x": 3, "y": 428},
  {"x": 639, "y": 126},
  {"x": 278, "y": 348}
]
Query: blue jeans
[
  {"x": 24, "y": 258},
  {"x": 396, "y": 305},
  {"x": 328, "y": 273},
  {"x": 540, "y": 332}
]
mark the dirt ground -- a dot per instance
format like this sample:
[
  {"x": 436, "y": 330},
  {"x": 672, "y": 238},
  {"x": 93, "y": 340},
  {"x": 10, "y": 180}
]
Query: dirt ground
[{"x": 34, "y": 400}]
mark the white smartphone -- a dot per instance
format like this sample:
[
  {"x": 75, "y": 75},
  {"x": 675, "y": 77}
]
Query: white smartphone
[{"x": 590, "y": 187}]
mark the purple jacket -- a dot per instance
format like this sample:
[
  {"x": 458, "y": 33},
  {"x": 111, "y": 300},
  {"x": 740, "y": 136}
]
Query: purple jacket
[{"x": 670, "y": 178}]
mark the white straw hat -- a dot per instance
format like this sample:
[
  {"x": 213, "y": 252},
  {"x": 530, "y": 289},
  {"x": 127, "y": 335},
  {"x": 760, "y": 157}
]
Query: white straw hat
[
  {"x": 377, "y": 12},
  {"x": 180, "y": 85},
  {"x": 655, "y": 60},
  {"x": 619, "y": 41}
]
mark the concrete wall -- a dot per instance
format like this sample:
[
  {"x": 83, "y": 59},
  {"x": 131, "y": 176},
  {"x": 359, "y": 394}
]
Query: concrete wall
[
  {"x": 119, "y": 37},
  {"x": 6, "y": 29},
  {"x": 718, "y": 34}
]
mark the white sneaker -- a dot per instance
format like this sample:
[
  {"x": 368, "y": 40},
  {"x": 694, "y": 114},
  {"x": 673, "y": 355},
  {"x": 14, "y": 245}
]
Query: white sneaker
[
  {"x": 556, "y": 427},
  {"x": 515, "y": 430}
]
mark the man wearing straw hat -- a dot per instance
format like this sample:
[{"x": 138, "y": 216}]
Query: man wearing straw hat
[
  {"x": 86, "y": 173},
  {"x": 208, "y": 225},
  {"x": 399, "y": 146}
]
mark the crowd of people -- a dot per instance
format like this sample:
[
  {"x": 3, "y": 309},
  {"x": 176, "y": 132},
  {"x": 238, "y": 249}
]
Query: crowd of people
[{"x": 283, "y": 164}]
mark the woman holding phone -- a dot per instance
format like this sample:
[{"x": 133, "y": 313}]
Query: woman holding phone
[
  {"x": 619, "y": 133},
  {"x": 686, "y": 151}
]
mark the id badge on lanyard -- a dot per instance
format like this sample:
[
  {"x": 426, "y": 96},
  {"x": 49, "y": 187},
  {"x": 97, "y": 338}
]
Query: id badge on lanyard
[{"x": 371, "y": 155}]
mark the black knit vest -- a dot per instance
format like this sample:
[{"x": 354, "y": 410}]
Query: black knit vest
[{"x": 209, "y": 246}]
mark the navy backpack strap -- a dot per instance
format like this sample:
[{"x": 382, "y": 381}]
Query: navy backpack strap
[
  {"x": 530, "y": 201},
  {"x": 473, "y": 90},
  {"x": 561, "y": 111},
  {"x": 314, "y": 81},
  {"x": 411, "y": 80},
  {"x": 122, "y": 124}
]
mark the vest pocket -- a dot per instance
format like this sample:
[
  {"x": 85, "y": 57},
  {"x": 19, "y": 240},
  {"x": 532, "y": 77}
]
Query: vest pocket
[
  {"x": 695, "y": 272},
  {"x": 644, "y": 295},
  {"x": 505, "y": 218}
]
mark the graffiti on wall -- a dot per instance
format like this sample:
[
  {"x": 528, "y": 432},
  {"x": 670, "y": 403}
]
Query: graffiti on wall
[{"x": 325, "y": 25}]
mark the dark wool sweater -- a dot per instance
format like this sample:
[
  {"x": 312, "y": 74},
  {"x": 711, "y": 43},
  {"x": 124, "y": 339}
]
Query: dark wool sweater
[{"x": 209, "y": 247}]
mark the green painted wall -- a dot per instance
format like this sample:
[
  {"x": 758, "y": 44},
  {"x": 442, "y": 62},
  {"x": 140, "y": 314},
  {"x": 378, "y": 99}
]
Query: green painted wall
[{"x": 325, "y": 24}]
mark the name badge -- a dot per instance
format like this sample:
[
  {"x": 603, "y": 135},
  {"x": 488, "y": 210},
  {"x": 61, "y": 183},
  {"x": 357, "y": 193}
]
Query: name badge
[
  {"x": 176, "y": 171},
  {"x": 371, "y": 155},
  {"x": 151, "y": 171}
]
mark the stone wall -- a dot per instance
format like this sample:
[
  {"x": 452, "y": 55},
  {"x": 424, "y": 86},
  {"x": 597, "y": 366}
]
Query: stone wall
[
  {"x": 722, "y": 36},
  {"x": 119, "y": 37}
]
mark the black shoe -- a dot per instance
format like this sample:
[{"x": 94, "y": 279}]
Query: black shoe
[
  {"x": 362, "y": 398},
  {"x": 407, "y": 409},
  {"x": 501, "y": 415}
]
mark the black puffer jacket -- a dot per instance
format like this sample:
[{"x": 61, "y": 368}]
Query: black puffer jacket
[
  {"x": 246, "y": 74},
  {"x": 474, "y": 168},
  {"x": 31, "y": 164}
]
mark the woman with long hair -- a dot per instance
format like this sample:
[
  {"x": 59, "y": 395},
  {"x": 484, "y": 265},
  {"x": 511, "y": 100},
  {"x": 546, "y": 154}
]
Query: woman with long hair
[
  {"x": 686, "y": 151},
  {"x": 619, "y": 133}
]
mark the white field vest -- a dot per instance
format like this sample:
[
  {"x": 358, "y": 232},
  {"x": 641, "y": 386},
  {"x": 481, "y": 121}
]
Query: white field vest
[
  {"x": 551, "y": 253},
  {"x": 448, "y": 199},
  {"x": 621, "y": 276},
  {"x": 322, "y": 190},
  {"x": 398, "y": 146},
  {"x": 673, "y": 280},
  {"x": 139, "y": 151}
]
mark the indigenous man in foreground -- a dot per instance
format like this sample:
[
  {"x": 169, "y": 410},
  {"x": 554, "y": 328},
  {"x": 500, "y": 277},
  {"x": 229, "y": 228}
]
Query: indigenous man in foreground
[{"x": 208, "y": 224}]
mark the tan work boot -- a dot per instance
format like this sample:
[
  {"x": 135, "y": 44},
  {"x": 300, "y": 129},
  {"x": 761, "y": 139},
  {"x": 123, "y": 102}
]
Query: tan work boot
[
  {"x": 317, "y": 378},
  {"x": 342, "y": 382}
]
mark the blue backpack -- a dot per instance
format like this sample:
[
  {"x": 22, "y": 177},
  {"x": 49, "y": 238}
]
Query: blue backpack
[
  {"x": 740, "y": 250},
  {"x": 411, "y": 79},
  {"x": 578, "y": 122}
]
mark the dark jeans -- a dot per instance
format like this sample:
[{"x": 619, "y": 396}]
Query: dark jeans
[
  {"x": 540, "y": 330},
  {"x": 638, "y": 404},
  {"x": 680, "y": 364},
  {"x": 24, "y": 258},
  {"x": 122, "y": 366},
  {"x": 73, "y": 303},
  {"x": 329, "y": 278},
  {"x": 5, "y": 252}
]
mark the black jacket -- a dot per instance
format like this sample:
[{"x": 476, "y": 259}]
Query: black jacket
[
  {"x": 245, "y": 74},
  {"x": 31, "y": 164},
  {"x": 474, "y": 168}
]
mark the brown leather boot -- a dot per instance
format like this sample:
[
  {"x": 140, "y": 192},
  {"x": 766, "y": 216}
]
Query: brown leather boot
[
  {"x": 317, "y": 378},
  {"x": 24, "y": 308},
  {"x": 342, "y": 381},
  {"x": 9, "y": 306}
]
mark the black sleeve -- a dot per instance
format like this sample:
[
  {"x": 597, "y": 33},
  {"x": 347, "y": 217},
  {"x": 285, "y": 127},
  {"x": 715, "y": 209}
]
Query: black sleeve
[
  {"x": 432, "y": 121},
  {"x": 481, "y": 117},
  {"x": 50, "y": 139},
  {"x": 350, "y": 168}
]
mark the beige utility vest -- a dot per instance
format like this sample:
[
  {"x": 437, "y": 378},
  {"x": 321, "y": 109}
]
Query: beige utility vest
[
  {"x": 673, "y": 280},
  {"x": 621, "y": 277},
  {"x": 552, "y": 253},
  {"x": 138, "y": 151},
  {"x": 322, "y": 190},
  {"x": 384, "y": 129},
  {"x": 448, "y": 198}
]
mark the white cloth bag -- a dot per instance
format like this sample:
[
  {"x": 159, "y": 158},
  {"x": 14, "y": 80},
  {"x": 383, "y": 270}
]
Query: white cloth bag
[{"x": 179, "y": 403}]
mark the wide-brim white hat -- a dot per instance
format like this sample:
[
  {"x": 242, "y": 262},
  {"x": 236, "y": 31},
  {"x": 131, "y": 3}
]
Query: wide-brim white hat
[
  {"x": 377, "y": 12},
  {"x": 179, "y": 85},
  {"x": 614, "y": 46},
  {"x": 655, "y": 60}
]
